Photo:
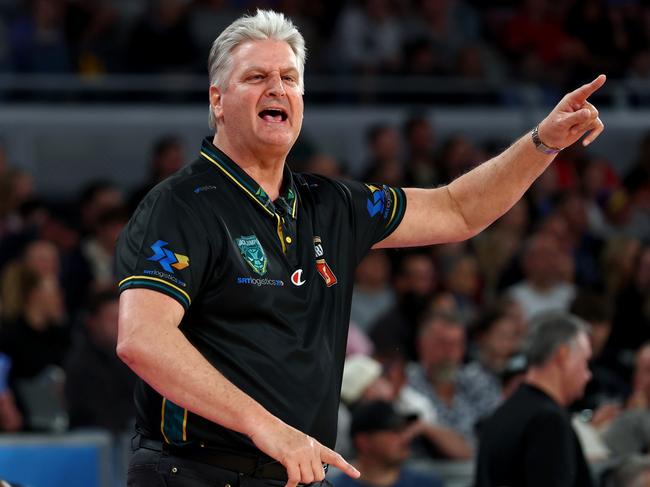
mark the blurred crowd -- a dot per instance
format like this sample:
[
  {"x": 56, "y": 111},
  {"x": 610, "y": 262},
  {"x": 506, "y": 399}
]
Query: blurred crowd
[
  {"x": 551, "y": 42},
  {"x": 435, "y": 331}
]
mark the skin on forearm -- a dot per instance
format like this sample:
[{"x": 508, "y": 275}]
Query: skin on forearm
[
  {"x": 491, "y": 189},
  {"x": 449, "y": 443},
  {"x": 470, "y": 203},
  {"x": 153, "y": 346}
]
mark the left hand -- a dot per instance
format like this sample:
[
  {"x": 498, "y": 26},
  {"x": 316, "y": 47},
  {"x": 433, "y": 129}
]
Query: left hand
[{"x": 572, "y": 117}]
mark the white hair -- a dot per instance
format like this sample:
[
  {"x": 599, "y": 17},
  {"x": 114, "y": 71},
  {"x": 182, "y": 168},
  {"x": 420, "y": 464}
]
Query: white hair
[{"x": 265, "y": 24}]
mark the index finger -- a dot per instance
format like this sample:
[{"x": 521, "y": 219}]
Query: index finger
[
  {"x": 333, "y": 458},
  {"x": 581, "y": 94}
]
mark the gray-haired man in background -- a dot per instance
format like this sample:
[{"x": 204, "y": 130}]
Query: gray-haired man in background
[{"x": 529, "y": 439}]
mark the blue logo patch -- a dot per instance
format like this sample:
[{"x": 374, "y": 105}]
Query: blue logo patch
[
  {"x": 377, "y": 201},
  {"x": 168, "y": 259}
]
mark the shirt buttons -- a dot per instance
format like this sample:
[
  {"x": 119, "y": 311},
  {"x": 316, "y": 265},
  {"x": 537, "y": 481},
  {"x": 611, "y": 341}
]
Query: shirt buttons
[{"x": 288, "y": 240}]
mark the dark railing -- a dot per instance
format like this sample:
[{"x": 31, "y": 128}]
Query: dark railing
[{"x": 326, "y": 89}]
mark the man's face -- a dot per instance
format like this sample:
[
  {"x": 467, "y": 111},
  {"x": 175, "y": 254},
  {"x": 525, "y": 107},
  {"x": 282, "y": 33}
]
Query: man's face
[
  {"x": 442, "y": 347},
  {"x": 260, "y": 109},
  {"x": 390, "y": 447},
  {"x": 577, "y": 372}
]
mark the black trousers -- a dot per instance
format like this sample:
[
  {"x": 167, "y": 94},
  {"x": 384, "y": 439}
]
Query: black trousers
[{"x": 149, "y": 468}]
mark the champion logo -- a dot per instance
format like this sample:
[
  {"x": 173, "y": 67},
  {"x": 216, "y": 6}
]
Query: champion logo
[{"x": 296, "y": 278}]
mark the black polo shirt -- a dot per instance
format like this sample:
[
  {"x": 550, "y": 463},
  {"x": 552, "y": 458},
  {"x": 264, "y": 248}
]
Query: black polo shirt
[{"x": 266, "y": 286}]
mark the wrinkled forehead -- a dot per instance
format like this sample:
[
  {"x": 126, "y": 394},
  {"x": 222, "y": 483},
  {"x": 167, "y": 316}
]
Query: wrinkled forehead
[{"x": 267, "y": 53}]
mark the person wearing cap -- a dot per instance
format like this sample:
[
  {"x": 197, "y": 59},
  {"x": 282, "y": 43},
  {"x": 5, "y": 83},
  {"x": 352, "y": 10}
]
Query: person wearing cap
[
  {"x": 381, "y": 437},
  {"x": 529, "y": 440}
]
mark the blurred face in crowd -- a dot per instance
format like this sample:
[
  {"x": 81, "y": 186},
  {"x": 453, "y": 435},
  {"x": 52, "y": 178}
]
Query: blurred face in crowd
[
  {"x": 374, "y": 270},
  {"x": 541, "y": 260},
  {"x": 600, "y": 331},
  {"x": 42, "y": 258},
  {"x": 499, "y": 343},
  {"x": 463, "y": 278},
  {"x": 388, "y": 447},
  {"x": 642, "y": 371},
  {"x": 417, "y": 275},
  {"x": 441, "y": 348},
  {"x": 103, "y": 324},
  {"x": 260, "y": 110},
  {"x": 47, "y": 299},
  {"x": 168, "y": 162},
  {"x": 575, "y": 368}
]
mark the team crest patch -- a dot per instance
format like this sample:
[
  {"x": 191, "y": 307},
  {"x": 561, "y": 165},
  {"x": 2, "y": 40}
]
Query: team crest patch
[{"x": 253, "y": 253}]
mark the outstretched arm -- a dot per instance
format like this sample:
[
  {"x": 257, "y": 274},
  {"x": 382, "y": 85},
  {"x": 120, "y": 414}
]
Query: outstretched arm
[
  {"x": 470, "y": 203},
  {"x": 151, "y": 343}
]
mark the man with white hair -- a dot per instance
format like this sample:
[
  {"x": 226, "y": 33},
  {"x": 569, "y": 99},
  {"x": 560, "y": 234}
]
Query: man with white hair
[{"x": 236, "y": 274}]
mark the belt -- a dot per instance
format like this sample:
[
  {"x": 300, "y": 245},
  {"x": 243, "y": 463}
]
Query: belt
[{"x": 250, "y": 466}]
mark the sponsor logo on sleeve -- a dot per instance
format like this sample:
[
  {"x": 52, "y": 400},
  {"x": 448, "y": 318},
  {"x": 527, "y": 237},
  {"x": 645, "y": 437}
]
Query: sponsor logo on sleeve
[
  {"x": 253, "y": 254},
  {"x": 379, "y": 203},
  {"x": 168, "y": 259}
]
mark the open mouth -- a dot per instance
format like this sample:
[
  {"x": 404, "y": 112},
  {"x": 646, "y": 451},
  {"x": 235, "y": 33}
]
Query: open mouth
[{"x": 273, "y": 115}]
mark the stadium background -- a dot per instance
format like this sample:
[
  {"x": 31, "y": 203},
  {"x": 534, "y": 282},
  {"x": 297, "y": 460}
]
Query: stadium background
[{"x": 94, "y": 93}]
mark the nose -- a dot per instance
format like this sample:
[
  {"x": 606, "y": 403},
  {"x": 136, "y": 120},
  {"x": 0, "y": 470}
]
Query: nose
[{"x": 275, "y": 86}]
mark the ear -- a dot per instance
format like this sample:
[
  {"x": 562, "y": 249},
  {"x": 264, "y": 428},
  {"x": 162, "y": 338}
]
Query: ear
[
  {"x": 215, "y": 102},
  {"x": 562, "y": 355}
]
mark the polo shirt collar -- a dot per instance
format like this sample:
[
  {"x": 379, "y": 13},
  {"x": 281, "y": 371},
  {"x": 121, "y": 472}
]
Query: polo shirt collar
[{"x": 249, "y": 186}]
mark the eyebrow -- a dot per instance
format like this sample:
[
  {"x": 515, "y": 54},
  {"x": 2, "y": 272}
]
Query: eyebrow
[{"x": 260, "y": 68}]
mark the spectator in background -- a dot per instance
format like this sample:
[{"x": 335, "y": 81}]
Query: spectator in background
[
  {"x": 369, "y": 38},
  {"x": 381, "y": 439},
  {"x": 607, "y": 390},
  {"x": 447, "y": 26},
  {"x": 631, "y": 323},
  {"x": 91, "y": 30},
  {"x": 96, "y": 198},
  {"x": 89, "y": 268},
  {"x": 461, "y": 279},
  {"x": 421, "y": 170},
  {"x": 161, "y": 40},
  {"x": 536, "y": 40},
  {"x": 640, "y": 397},
  {"x": 39, "y": 336},
  {"x": 497, "y": 247},
  {"x": 431, "y": 439},
  {"x": 384, "y": 164},
  {"x": 372, "y": 295},
  {"x": 634, "y": 471},
  {"x": 99, "y": 386},
  {"x": 585, "y": 247},
  {"x": 456, "y": 156},
  {"x": 37, "y": 39},
  {"x": 529, "y": 440},
  {"x": 497, "y": 339},
  {"x": 166, "y": 158},
  {"x": 543, "y": 288},
  {"x": 415, "y": 282},
  {"x": 458, "y": 397},
  {"x": 10, "y": 418},
  {"x": 362, "y": 382},
  {"x": 39, "y": 257}
]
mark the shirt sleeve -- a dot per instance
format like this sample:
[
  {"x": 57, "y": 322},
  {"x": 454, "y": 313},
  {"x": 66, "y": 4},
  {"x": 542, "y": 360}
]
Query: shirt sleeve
[
  {"x": 165, "y": 248},
  {"x": 377, "y": 210}
]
